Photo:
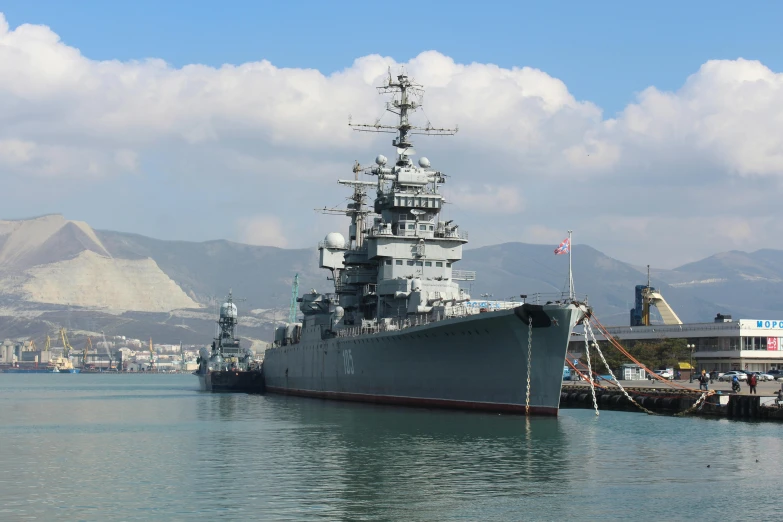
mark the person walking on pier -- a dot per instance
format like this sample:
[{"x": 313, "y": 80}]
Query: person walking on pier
[
  {"x": 704, "y": 381},
  {"x": 752, "y": 382}
]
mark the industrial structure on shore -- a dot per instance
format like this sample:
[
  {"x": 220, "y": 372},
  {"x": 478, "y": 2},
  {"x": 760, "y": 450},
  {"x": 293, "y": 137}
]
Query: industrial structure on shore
[
  {"x": 722, "y": 345},
  {"x": 117, "y": 353}
]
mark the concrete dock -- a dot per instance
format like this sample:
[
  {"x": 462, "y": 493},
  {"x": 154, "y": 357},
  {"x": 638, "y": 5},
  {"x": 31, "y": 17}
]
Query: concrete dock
[{"x": 660, "y": 398}]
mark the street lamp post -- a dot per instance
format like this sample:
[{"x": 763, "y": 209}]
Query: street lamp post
[{"x": 691, "y": 347}]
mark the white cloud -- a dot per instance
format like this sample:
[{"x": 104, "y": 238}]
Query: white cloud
[
  {"x": 262, "y": 230},
  {"x": 543, "y": 234},
  {"x": 488, "y": 199},
  {"x": 240, "y": 137},
  {"x": 15, "y": 152},
  {"x": 727, "y": 115}
]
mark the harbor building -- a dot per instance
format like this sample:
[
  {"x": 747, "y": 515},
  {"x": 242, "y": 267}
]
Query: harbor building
[{"x": 723, "y": 345}]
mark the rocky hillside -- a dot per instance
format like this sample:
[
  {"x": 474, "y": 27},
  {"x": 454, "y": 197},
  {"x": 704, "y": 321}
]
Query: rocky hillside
[
  {"x": 51, "y": 260},
  {"x": 208, "y": 270},
  {"x": 744, "y": 283},
  {"x": 57, "y": 272}
]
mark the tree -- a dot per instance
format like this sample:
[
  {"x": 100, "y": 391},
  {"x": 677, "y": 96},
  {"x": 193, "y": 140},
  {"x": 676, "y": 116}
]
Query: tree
[{"x": 654, "y": 354}]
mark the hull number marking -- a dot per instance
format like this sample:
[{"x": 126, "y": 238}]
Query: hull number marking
[{"x": 348, "y": 362}]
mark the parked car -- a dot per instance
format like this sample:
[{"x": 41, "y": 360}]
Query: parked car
[
  {"x": 776, "y": 374},
  {"x": 762, "y": 376},
  {"x": 666, "y": 374},
  {"x": 728, "y": 376}
]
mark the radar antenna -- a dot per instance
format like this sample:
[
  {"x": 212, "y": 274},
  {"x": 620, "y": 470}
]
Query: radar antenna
[
  {"x": 406, "y": 96},
  {"x": 357, "y": 210}
]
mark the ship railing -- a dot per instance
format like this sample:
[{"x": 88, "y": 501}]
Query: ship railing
[
  {"x": 463, "y": 275},
  {"x": 452, "y": 234},
  {"x": 458, "y": 310},
  {"x": 376, "y": 231},
  {"x": 393, "y": 325},
  {"x": 541, "y": 298}
]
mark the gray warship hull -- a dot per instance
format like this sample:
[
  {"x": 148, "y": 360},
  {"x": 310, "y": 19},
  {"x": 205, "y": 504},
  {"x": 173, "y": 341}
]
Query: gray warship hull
[
  {"x": 244, "y": 381},
  {"x": 476, "y": 362}
]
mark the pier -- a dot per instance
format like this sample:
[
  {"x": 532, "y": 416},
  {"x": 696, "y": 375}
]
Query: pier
[{"x": 663, "y": 400}]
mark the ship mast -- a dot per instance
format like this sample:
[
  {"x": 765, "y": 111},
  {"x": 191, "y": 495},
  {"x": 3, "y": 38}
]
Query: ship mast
[
  {"x": 357, "y": 210},
  {"x": 407, "y": 96}
]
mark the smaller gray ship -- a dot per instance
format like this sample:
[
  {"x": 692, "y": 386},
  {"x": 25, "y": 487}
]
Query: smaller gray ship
[{"x": 228, "y": 367}]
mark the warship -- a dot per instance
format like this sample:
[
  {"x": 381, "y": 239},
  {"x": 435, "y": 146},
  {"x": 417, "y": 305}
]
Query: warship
[
  {"x": 228, "y": 367},
  {"x": 397, "y": 328}
]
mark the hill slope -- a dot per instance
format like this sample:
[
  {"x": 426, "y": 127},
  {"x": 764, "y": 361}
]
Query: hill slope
[
  {"x": 207, "y": 271},
  {"x": 608, "y": 283},
  {"x": 745, "y": 283},
  {"x": 52, "y": 260},
  {"x": 56, "y": 272}
]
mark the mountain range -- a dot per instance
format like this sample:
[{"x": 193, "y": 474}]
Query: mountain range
[{"x": 56, "y": 272}]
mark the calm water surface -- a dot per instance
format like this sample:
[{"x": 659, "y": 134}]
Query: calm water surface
[{"x": 141, "y": 447}]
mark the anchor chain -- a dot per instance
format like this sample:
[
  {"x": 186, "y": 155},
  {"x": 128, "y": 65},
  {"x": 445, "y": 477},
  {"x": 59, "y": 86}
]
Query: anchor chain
[
  {"x": 590, "y": 374},
  {"x": 696, "y": 405},
  {"x": 617, "y": 382},
  {"x": 529, "y": 355}
]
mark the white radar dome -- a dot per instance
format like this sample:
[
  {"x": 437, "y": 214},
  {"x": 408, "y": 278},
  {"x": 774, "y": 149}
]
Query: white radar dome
[
  {"x": 228, "y": 310},
  {"x": 424, "y": 163},
  {"x": 334, "y": 240},
  {"x": 381, "y": 160}
]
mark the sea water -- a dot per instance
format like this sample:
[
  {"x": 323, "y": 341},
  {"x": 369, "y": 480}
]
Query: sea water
[{"x": 153, "y": 447}]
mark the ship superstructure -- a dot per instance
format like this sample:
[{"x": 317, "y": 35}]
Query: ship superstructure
[{"x": 398, "y": 327}]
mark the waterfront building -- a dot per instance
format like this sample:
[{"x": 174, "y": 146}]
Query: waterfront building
[{"x": 723, "y": 345}]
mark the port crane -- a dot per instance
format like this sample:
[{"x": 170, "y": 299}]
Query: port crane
[
  {"x": 87, "y": 347},
  {"x": 31, "y": 348},
  {"x": 66, "y": 345}
]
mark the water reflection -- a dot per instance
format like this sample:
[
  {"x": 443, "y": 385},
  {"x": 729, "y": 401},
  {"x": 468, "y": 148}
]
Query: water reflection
[
  {"x": 364, "y": 461},
  {"x": 153, "y": 447}
]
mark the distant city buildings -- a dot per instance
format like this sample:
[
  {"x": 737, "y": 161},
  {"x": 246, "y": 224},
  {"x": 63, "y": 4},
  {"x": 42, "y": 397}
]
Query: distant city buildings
[{"x": 117, "y": 352}]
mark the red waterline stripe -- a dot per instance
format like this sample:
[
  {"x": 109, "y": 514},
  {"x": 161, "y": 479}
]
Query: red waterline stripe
[{"x": 416, "y": 401}]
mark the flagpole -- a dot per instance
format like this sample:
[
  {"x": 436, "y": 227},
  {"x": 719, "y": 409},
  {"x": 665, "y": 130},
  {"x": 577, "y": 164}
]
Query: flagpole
[{"x": 570, "y": 270}]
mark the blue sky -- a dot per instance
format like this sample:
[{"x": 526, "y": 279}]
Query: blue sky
[
  {"x": 604, "y": 51},
  {"x": 651, "y": 129}
]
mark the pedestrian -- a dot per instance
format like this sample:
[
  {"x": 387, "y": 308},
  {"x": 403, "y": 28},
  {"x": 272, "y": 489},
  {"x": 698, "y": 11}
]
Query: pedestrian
[
  {"x": 704, "y": 381},
  {"x": 752, "y": 381}
]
